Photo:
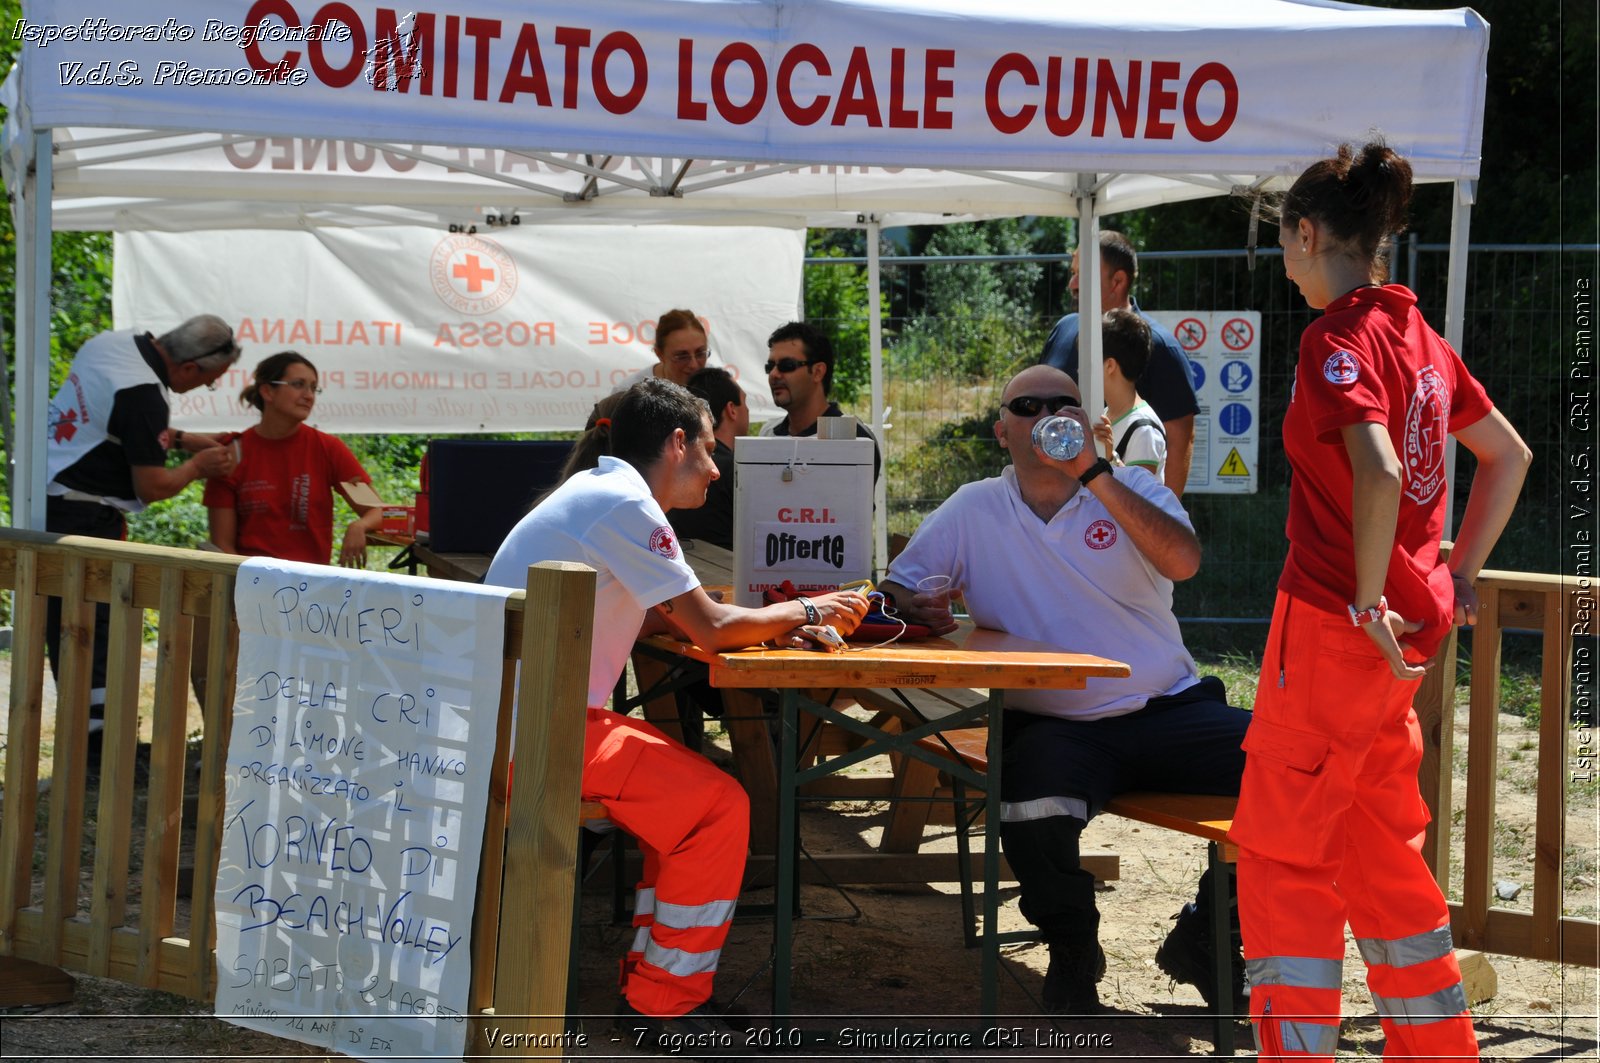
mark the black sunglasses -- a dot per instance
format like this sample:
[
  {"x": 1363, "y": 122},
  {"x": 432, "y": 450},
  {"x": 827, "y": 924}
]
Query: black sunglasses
[
  {"x": 1030, "y": 405},
  {"x": 786, "y": 365}
]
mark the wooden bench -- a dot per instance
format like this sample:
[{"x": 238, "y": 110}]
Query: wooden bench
[
  {"x": 914, "y": 792},
  {"x": 1205, "y": 816}
]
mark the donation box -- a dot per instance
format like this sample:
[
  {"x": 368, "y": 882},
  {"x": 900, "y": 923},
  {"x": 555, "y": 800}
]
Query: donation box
[{"x": 802, "y": 511}]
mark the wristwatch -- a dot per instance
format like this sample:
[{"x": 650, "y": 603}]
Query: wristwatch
[
  {"x": 1094, "y": 470},
  {"x": 812, "y": 616},
  {"x": 1363, "y": 617},
  {"x": 177, "y": 439}
]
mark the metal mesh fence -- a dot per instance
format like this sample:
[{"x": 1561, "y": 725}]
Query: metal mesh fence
[{"x": 957, "y": 327}]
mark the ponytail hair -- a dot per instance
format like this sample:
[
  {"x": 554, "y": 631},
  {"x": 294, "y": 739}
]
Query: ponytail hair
[
  {"x": 1362, "y": 198},
  {"x": 590, "y": 447}
]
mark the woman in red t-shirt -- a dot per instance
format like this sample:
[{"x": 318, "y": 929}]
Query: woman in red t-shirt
[
  {"x": 279, "y": 500},
  {"x": 1330, "y": 819}
]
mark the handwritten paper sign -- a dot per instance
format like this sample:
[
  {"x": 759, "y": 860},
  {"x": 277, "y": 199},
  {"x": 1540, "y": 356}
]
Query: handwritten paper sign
[{"x": 363, "y": 728}]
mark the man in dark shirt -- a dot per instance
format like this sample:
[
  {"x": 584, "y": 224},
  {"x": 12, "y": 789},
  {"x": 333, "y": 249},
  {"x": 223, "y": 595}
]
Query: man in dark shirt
[
  {"x": 730, "y": 419},
  {"x": 106, "y": 447},
  {"x": 800, "y": 373},
  {"x": 1165, "y": 384}
]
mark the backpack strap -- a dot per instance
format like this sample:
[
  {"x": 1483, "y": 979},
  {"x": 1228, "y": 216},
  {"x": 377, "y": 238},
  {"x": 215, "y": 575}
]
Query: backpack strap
[{"x": 1127, "y": 433}]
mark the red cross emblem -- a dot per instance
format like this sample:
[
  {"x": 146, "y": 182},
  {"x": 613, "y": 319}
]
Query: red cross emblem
[
  {"x": 66, "y": 427},
  {"x": 663, "y": 543},
  {"x": 473, "y": 273},
  {"x": 1100, "y": 535}
]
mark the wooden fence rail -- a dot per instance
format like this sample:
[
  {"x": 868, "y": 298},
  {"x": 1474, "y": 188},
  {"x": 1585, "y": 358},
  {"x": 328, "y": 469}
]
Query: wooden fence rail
[
  {"x": 1562, "y": 609},
  {"x": 47, "y": 912}
]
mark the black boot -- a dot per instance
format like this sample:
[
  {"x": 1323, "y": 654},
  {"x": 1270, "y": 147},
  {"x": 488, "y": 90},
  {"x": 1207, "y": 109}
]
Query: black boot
[
  {"x": 1069, "y": 984},
  {"x": 1058, "y": 898},
  {"x": 1186, "y": 955}
]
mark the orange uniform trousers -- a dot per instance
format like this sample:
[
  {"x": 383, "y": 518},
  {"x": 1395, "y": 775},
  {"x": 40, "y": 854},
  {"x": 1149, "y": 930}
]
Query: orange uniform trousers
[
  {"x": 692, "y": 823},
  {"x": 1329, "y": 827}
]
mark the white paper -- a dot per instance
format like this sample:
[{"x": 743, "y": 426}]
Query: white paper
[{"x": 357, "y": 778}]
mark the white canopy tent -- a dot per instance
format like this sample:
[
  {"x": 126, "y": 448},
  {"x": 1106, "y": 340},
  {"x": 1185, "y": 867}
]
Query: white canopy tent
[{"x": 162, "y": 115}]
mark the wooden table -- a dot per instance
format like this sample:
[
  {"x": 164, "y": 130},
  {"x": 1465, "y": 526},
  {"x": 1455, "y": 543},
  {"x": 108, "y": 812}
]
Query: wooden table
[
  {"x": 465, "y": 568},
  {"x": 713, "y": 564},
  {"x": 971, "y": 657}
]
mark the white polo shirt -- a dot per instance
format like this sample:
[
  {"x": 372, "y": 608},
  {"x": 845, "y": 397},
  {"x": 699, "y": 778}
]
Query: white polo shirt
[
  {"x": 604, "y": 518},
  {"x": 1076, "y": 582}
]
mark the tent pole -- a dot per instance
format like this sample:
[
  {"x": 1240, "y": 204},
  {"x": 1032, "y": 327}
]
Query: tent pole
[
  {"x": 32, "y": 343},
  {"x": 880, "y": 489},
  {"x": 1455, "y": 307},
  {"x": 1091, "y": 382}
]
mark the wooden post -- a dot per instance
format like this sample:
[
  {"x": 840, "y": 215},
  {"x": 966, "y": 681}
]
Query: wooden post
[
  {"x": 1550, "y": 810},
  {"x": 22, "y": 755},
  {"x": 72, "y": 722},
  {"x": 222, "y": 663},
  {"x": 530, "y": 986},
  {"x": 1482, "y": 755},
  {"x": 164, "y": 820},
  {"x": 1435, "y": 705},
  {"x": 108, "y": 903},
  {"x": 492, "y": 863}
]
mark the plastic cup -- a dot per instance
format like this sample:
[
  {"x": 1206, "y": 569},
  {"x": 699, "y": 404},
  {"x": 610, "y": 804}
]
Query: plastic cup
[{"x": 937, "y": 588}]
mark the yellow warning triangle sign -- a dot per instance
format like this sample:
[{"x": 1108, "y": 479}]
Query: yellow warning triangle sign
[{"x": 1234, "y": 465}]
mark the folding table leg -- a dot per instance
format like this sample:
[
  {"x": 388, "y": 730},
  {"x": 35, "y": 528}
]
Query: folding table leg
[
  {"x": 964, "y": 816},
  {"x": 991, "y": 863},
  {"x": 786, "y": 887},
  {"x": 1221, "y": 950}
]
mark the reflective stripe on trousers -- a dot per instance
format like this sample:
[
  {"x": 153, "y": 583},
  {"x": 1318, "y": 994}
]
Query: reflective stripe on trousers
[
  {"x": 1447, "y": 1003},
  {"x": 1307, "y": 972},
  {"x": 1408, "y": 951},
  {"x": 1295, "y": 986},
  {"x": 648, "y": 912},
  {"x": 1043, "y": 808},
  {"x": 1276, "y": 1037},
  {"x": 1416, "y": 951}
]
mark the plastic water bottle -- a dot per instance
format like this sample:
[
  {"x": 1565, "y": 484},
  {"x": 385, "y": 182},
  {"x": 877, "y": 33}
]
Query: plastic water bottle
[{"x": 1060, "y": 437}]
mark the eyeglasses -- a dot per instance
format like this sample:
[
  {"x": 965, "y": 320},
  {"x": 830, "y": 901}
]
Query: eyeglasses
[
  {"x": 297, "y": 385},
  {"x": 786, "y": 365},
  {"x": 1030, "y": 405},
  {"x": 689, "y": 357}
]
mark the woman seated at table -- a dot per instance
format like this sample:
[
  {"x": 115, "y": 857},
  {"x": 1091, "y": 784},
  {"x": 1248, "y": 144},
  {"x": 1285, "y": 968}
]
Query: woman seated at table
[{"x": 279, "y": 500}]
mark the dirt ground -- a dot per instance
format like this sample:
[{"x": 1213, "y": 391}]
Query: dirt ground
[{"x": 881, "y": 971}]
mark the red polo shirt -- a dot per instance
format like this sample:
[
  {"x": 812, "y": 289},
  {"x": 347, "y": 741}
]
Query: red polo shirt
[{"x": 1371, "y": 357}]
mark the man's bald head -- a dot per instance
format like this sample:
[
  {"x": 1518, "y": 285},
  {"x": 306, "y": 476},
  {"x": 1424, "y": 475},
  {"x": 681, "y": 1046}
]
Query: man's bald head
[{"x": 1042, "y": 381}]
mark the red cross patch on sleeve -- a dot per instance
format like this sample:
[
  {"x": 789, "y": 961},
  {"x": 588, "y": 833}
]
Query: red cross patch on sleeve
[{"x": 663, "y": 542}]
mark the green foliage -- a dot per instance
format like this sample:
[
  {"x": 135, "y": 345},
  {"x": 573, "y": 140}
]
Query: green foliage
[
  {"x": 958, "y": 452},
  {"x": 836, "y": 301},
  {"x": 179, "y": 521},
  {"x": 393, "y": 462},
  {"x": 974, "y": 315},
  {"x": 80, "y": 296}
]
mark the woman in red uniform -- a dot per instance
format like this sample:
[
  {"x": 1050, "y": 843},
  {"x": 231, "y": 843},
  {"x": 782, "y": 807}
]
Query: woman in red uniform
[
  {"x": 1330, "y": 820},
  {"x": 279, "y": 501}
]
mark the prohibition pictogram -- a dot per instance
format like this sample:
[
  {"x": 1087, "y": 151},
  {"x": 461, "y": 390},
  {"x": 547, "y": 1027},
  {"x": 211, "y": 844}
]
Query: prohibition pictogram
[
  {"x": 1237, "y": 334},
  {"x": 1191, "y": 333}
]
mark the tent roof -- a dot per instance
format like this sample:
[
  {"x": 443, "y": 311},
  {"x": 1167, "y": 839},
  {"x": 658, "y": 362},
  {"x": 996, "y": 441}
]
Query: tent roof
[{"x": 1179, "y": 99}]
